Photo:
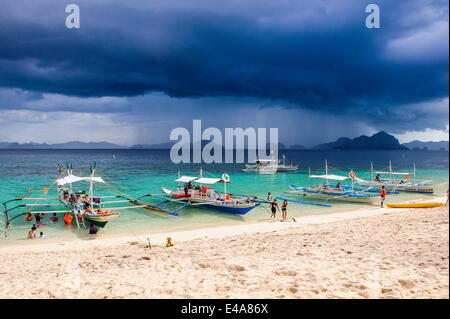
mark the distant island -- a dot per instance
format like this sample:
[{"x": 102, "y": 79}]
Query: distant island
[
  {"x": 378, "y": 141},
  {"x": 427, "y": 146},
  {"x": 61, "y": 146}
]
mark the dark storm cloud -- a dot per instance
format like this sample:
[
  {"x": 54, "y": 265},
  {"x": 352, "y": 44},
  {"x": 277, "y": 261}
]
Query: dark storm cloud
[{"x": 308, "y": 54}]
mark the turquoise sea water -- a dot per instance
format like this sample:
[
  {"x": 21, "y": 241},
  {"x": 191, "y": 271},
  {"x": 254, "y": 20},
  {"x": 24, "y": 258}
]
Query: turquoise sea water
[{"x": 144, "y": 171}]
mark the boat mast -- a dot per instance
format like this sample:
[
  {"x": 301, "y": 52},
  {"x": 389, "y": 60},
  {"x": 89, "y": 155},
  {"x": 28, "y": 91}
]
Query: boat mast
[
  {"x": 414, "y": 172},
  {"x": 91, "y": 186},
  {"x": 309, "y": 175},
  {"x": 326, "y": 169},
  {"x": 390, "y": 169},
  {"x": 353, "y": 190},
  {"x": 371, "y": 170},
  {"x": 69, "y": 172}
]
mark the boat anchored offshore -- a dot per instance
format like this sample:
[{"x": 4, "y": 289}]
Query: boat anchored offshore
[
  {"x": 198, "y": 192},
  {"x": 283, "y": 166},
  {"x": 271, "y": 166},
  {"x": 263, "y": 166},
  {"x": 337, "y": 192},
  {"x": 403, "y": 184}
]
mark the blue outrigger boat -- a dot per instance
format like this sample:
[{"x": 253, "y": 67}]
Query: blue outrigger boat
[{"x": 198, "y": 192}]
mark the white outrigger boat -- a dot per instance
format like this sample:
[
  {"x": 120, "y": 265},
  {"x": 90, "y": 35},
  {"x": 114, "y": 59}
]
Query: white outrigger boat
[
  {"x": 85, "y": 206},
  {"x": 198, "y": 192},
  {"x": 270, "y": 166},
  {"x": 393, "y": 183},
  {"x": 75, "y": 203},
  {"x": 336, "y": 192},
  {"x": 263, "y": 166}
]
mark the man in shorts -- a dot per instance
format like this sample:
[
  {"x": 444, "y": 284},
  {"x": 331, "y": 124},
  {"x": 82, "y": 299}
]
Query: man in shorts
[{"x": 273, "y": 208}]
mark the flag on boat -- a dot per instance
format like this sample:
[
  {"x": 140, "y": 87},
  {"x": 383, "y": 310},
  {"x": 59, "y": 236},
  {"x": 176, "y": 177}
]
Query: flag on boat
[{"x": 352, "y": 174}]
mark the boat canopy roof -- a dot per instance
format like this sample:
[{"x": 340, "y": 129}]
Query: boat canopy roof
[
  {"x": 186, "y": 179},
  {"x": 393, "y": 173},
  {"x": 209, "y": 181},
  {"x": 330, "y": 176},
  {"x": 70, "y": 179},
  {"x": 199, "y": 180},
  {"x": 336, "y": 177}
]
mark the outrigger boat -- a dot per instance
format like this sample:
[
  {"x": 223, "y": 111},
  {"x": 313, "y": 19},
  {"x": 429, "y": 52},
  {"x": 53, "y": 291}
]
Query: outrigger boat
[
  {"x": 76, "y": 203},
  {"x": 263, "y": 166},
  {"x": 198, "y": 192},
  {"x": 286, "y": 167},
  {"x": 85, "y": 206},
  {"x": 336, "y": 192},
  {"x": 394, "y": 184},
  {"x": 271, "y": 166}
]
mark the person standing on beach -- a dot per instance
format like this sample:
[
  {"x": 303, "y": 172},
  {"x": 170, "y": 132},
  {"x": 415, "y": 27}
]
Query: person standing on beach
[
  {"x": 446, "y": 193},
  {"x": 382, "y": 195},
  {"x": 284, "y": 210},
  {"x": 269, "y": 197},
  {"x": 274, "y": 207}
]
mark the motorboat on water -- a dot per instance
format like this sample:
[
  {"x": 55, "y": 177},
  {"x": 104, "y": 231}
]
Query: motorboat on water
[
  {"x": 263, "y": 166},
  {"x": 271, "y": 166}
]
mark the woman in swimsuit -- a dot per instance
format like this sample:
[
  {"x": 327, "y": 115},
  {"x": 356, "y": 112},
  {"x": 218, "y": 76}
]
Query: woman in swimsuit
[{"x": 284, "y": 210}]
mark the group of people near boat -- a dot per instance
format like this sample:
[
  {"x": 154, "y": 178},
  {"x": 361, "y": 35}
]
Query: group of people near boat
[{"x": 38, "y": 218}]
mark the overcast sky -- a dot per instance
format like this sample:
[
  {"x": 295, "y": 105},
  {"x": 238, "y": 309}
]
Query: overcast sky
[{"x": 137, "y": 69}]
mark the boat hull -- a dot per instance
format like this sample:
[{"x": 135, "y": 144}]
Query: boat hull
[
  {"x": 230, "y": 209},
  {"x": 337, "y": 196},
  {"x": 100, "y": 221},
  {"x": 410, "y": 188},
  {"x": 224, "y": 206}
]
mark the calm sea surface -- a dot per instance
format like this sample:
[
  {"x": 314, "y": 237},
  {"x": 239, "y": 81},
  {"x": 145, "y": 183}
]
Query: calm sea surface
[{"x": 145, "y": 171}]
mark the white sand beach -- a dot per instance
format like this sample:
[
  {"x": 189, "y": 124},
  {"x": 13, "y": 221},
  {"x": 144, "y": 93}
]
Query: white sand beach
[{"x": 369, "y": 253}]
